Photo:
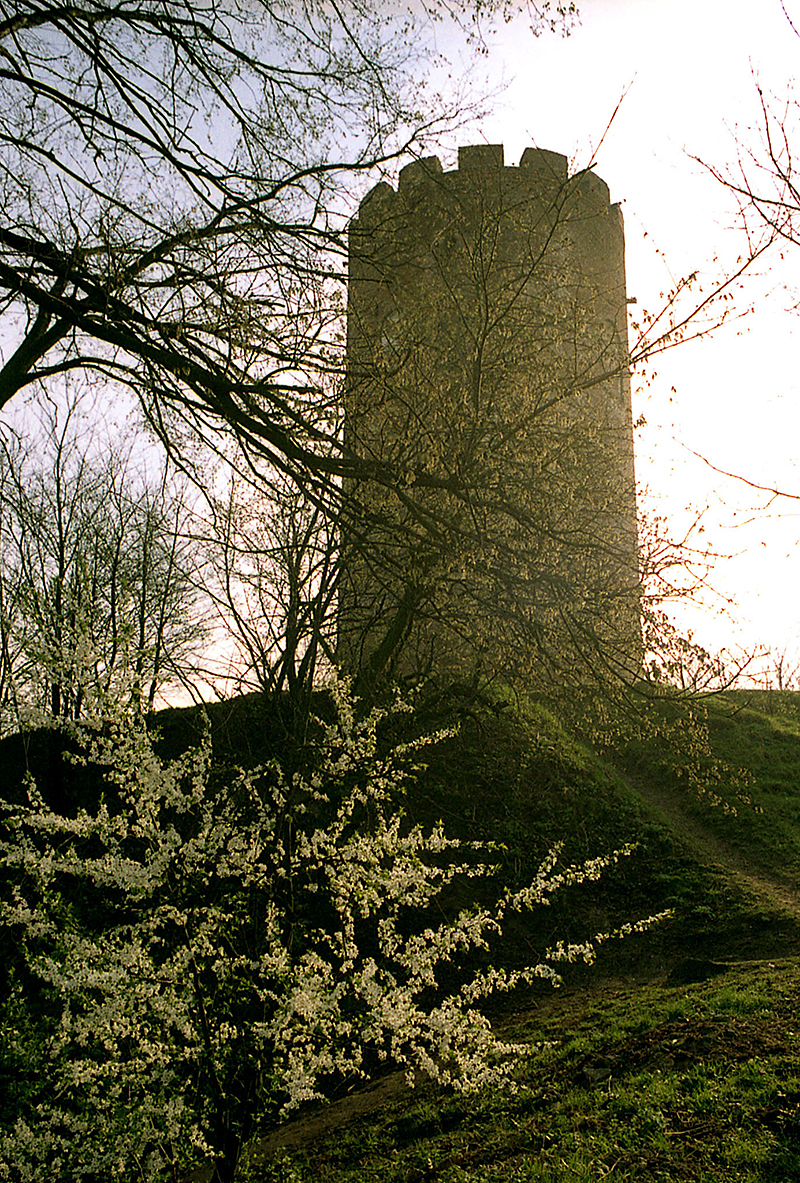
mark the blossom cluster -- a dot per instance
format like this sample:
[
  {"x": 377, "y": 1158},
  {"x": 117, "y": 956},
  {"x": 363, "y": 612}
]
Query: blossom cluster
[{"x": 211, "y": 958}]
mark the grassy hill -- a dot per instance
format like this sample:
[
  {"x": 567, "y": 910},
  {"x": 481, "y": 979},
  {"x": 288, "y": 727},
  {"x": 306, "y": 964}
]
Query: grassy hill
[
  {"x": 626, "y": 1080},
  {"x": 675, "y": 1057}
]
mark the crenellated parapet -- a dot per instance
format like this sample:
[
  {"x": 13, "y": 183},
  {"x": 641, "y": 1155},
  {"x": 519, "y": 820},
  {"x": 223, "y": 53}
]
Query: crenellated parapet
[
  {"x": 541, "y": 180},
  {"x": 538, "y": 169}
]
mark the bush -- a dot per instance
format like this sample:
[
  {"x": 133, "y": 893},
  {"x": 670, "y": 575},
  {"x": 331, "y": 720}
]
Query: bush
[{"x": 207, "y": 961}]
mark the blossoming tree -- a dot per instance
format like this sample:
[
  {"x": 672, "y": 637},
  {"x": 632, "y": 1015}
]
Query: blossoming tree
[{"x": 199, "y": 961}]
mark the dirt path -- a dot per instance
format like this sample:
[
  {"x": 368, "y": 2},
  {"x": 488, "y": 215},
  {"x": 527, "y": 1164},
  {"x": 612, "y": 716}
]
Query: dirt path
[
  {"x": 708, "y": 848},
  {"x": 668, "y": 806}
]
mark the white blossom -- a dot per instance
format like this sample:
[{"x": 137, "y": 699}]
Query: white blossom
[{"x": 257, "y": 934}]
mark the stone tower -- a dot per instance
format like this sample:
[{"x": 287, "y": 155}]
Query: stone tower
[{"x": 488, "y": 391}]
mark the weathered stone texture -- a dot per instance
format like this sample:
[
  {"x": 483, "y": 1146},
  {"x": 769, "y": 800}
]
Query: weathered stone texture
[{"x": 487, "y": 371}]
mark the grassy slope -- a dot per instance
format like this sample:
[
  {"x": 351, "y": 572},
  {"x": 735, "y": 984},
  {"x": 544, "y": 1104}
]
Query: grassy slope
[
  {"x": 638, "y": 1082},
  {"x": 641, "y": 1076}
]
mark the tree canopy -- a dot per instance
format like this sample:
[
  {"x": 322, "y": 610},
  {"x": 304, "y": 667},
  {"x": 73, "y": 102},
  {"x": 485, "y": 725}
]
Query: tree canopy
[{"x": 175, "y": 180}]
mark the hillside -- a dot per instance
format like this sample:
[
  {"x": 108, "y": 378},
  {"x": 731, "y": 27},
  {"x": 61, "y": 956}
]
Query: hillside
[{"x": 677, "y": 1055}]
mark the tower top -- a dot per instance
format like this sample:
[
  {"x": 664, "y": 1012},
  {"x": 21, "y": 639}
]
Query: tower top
[{"x": 539, "y": 169}]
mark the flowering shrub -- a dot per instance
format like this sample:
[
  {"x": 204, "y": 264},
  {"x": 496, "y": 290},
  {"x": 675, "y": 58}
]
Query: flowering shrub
[{"x": 206, "y": 960}]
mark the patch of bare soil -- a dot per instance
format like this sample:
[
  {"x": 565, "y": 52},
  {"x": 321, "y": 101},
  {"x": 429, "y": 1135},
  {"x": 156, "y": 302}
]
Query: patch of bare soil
[
  {"x": 683, "y": 1043},
  {"x": 294, "y": 1135},
  {"x": 317, "y": 1124}
]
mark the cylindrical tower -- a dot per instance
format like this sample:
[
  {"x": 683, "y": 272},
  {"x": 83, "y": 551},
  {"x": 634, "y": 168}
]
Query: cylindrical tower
[{"x": 488, "y": 386}]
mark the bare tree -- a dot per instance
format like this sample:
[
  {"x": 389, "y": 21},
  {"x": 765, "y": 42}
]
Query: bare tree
[
  {"x": 272, "y": 569},
  {"x": 171, "y": 206},
  {"x": 764, "y": 178},
  {"x": 786, "y": 669},
  {"x": 97, "y": 588}
]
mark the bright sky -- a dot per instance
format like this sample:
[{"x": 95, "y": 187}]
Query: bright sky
[{"x": 687, "y": 70}]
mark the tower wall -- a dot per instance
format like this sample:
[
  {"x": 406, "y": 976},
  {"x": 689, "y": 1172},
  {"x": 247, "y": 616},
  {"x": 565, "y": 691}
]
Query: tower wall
[{"x": 488, "y": 384}]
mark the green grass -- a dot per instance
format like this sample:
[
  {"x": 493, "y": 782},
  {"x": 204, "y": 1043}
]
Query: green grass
[
  {"x": 639, "y": 1082},
  {"x": 760, "y": 732},
  {"x": 629, "y": 1077},
  {"x": 521, "y": 778}
]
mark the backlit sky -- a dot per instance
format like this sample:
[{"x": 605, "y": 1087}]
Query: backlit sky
[{"x": 687, "y": 69}]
